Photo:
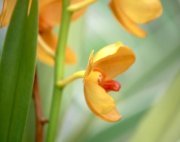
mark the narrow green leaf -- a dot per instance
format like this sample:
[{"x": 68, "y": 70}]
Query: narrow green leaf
[
  {"x": 161, "y": 118},
  {"x": 17, "y": 71}
]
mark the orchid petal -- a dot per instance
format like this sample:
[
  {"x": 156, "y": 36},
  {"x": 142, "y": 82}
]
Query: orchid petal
[
  {"x": 107, "y": 51},
  {"x": 78, "y": 13},
  {"x": 51, "y": 40},
  {"x": 6, "y": 13},
  {"x": 50, "y": 13},
  {"x": 98, "y": 100},
  {"x": 113, "y": 60},
  {"x": 141, "y": 11},
  {"x": 90, "y": 64},
  {"x": 126, "y": 22}
]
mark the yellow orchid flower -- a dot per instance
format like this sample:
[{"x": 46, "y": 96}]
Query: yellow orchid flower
[
  {"x": 49, "y": 17},
  {"x": 108, "y": 63},
  {"x": 131, "y": 13}
]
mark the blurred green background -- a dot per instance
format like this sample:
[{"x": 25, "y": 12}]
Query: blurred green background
[{"x": 150, "y": 96}]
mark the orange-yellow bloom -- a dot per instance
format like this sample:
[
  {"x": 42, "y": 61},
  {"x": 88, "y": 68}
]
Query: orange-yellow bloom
[
  {"x": 49, "y": 17},
  {"x": 131, "y": 13},
  {"x": 107, "y": 64}
]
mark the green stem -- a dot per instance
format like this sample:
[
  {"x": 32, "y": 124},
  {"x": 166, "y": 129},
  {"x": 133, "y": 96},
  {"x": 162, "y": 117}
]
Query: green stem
[
  {"x": 74, "y": 76},
  {"x": 59, "y": 72}
]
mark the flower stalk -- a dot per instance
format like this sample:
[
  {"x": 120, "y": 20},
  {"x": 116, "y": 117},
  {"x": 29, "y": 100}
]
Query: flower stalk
[
  {"x": 40, "y": 119},
  {"x": 74, "y": 76},
  {"x": 59, "y": 72}
]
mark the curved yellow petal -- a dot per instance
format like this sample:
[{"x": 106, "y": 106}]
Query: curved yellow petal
[
  {"x": 78, "y": 13},
  {"x": 117, "y": 59},
  {"x": 107, "y": 51},
  {"x": 43, "y": 56},
  {"x": 90, "y": 64},
  {"x": 50, "y": 13},
  {"x": 98, "y": 100},
  {"x": 126, "y": 22},
  {"x": 140, "y": 11},
  {"x": 70, "y": 56},
  {"x": 51, "y": 40},
  {"x": 6, "y": 13},
  {"x": 43, "y": 3}
]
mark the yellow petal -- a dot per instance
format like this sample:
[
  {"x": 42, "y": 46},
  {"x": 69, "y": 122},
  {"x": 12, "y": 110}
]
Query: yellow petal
[
  {"x": 51, "y": 40},
  {"x": 70, "y": 56},
  {"x": 141, "y": 11},
  {"x": 50, "y": 13},
  {"x": 7, "y": 10},
  {"x": 90, "y": 64},
  {"x": 43, "y": 56},
  {"x": 107, "y": 51},
  {"x": 113, "y": 60},
  {"x": 98, "y": 100},
  {"x": 43, "y": 3},
  {"x": 80, "y": 12},
  {"x": 126, "y": 22},
  {"x": 6, "y": 13}
]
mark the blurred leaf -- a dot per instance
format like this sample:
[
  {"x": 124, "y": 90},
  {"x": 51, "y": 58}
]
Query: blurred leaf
[
  {"x": 157, "y": 69},
  {"x": 118, "y": 130},
  {"x": 161, "y": 119},
  {"x": 17, "y": 71},
  {"x": 173, "y": 132}
]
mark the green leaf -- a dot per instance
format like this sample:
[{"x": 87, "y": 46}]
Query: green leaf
[
  {"x": 173, "y": 131},
  {"x": 17, "y": 71},
  {"x": 162, "y": 122},
  {"x": 119, "y": 130}
]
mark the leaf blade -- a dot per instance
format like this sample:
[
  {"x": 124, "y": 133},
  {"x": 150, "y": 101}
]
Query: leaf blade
[
  {"x": 17, "y": 71},
  {"x": 159, "y": 119}
]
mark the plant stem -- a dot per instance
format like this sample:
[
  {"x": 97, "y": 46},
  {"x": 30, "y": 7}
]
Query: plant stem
[
  {"x": 40, "y": 120},
  {"x": 69, "y": 79},
  {"x": 59, "y": 72}
]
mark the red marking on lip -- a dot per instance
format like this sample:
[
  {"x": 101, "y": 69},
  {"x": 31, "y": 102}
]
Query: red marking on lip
[{"x": 110, "y": 85}]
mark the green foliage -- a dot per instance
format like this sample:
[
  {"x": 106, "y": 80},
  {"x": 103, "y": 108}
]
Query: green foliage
[
  {"x": 17, "y": 71},
  {"x": 118, "y": 130},
  {"x": 161, "y": 124}
]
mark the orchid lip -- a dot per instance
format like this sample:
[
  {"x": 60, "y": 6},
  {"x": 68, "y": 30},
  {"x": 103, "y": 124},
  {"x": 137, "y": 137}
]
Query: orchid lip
[{"x": 110, "y": 85}]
